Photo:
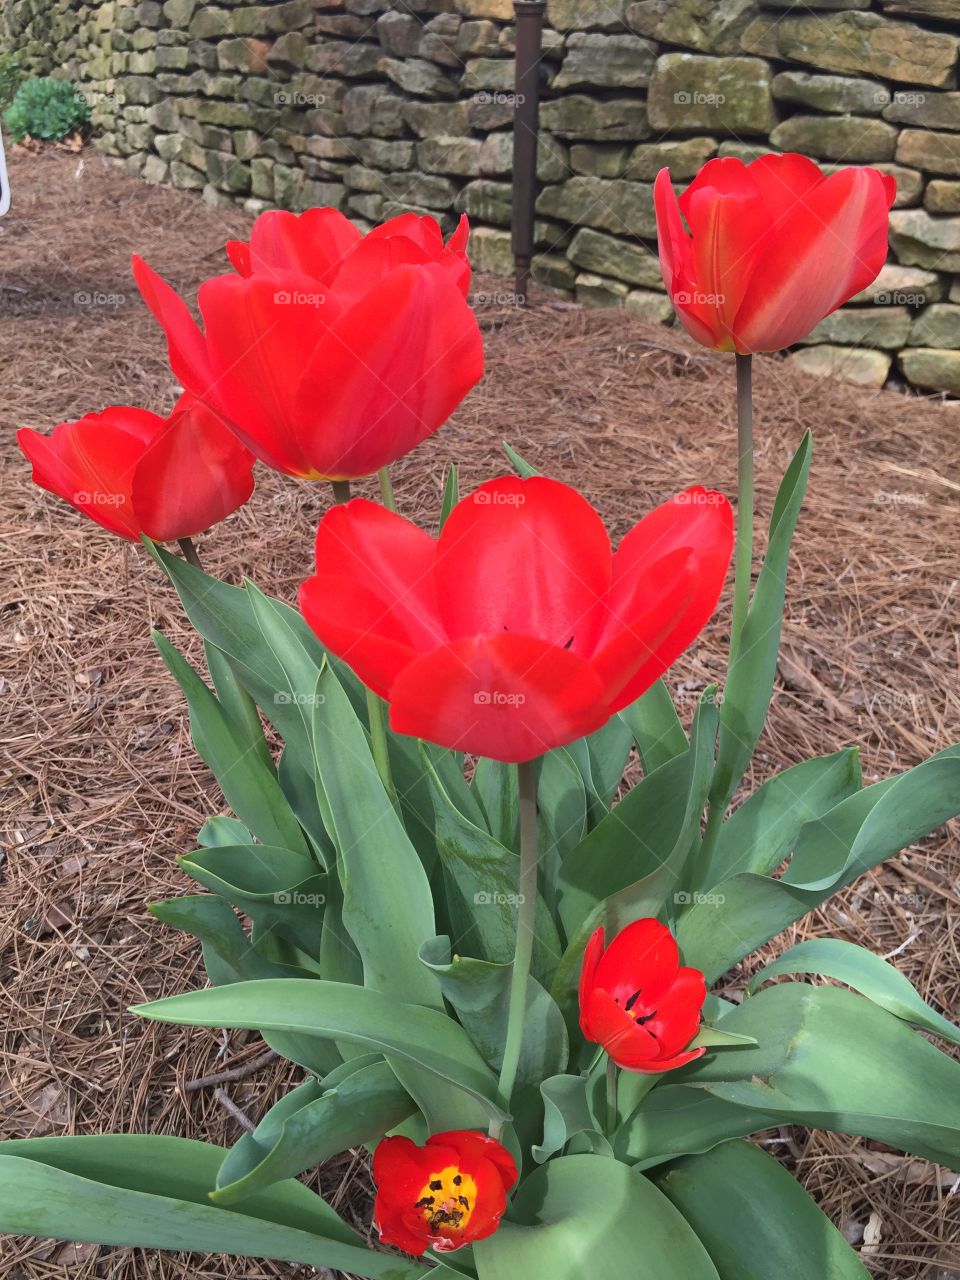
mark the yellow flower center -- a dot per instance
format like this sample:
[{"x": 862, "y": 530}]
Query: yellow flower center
[{"x": 447, "y": 1200}]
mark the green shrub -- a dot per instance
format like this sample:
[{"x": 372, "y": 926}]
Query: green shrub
[
  {"x": 46, "y": 108},
  {"x": 11, "y": 77}
]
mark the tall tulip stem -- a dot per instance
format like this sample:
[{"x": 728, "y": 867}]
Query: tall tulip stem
[
  {"x": 376, "y": 708},
  {"x": 386, "y": 489},
  {"x": 743, "y": 557},
  {"x": 190, "y": 554},
  {"x": 526, "y": 924}
]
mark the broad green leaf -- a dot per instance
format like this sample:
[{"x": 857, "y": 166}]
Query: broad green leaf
[
  {"x": 495, "y": 785},
  {"x": 872, "y": 976},
  {"x": 833, "y": 1060},
  {"x": 228, "y": 956},
  {"x": 281, "y": 891},
  {"x": 220, "y": 831},
  {"x": 655, "y": 726},
  {"x": 609, "y": 750},
  {"x": 479, "y": 992},
  {"x": 567, "y": 1114},
  {"x": 743, "y": 912},
  {"x": 481, "y": 880},
  {"x": 311, "y": 1124},
  {"x": 239, "y": 707},
  {"x": 628, "y": 844},
  {"x": 151, "y": 1192},
  {"x": 587, "y": 1215},
  {"x": 754, "y": 1219},
  {"x": 749, "y": 683},
  {"x": 388, "y": 907},
  {"x": 717, "y": 1038},
  {"x": 675, "y": 1120},
  {"x": 562, "y": 807},
  {"x": 759, "y": 835},
  {"x": 379, "y": 1023},
  {"x": 250, "y": 786}
]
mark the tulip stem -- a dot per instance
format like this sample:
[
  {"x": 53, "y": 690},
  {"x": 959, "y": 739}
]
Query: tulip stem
[
  {"x": 611, "y": 1097},
  {"x": 386, "y": 489},
  {"x": 190, "y": 554},
  {"x": 743, "y": 559},
  {"x": 376, "y": 708},
  {"x": 526, "y": 924}
]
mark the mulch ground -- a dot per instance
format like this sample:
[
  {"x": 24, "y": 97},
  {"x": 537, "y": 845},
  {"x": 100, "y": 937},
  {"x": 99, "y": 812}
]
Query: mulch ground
[{"x": 102, "y": 787}]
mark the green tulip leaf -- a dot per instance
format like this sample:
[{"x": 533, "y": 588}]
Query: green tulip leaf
[
  {"x": 221, "y": 831},
  {"x": 237, "y": 704},
  {"x": 151, "y": 1192},
  {"x": 311, "y": 1124},
  {"x": 655, "y": 726},
  {"x": 588, "y": 1215},
  {"x": 425, "y": 1038},
  {"x": 567, "y": 1114},
  {"x": 495, "y": 786},
  {"x": 451, "y": 493},
  {"x": 866, "y": 973},
  {"x": 676, "y": 1120},
  {"x": 754, "y": 1219}
]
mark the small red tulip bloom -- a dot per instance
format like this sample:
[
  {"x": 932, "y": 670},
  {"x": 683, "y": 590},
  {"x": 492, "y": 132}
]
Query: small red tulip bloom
[
  {"x": 134, "y": 472},
  {"x": 769, "y": 248},
  {"x": 445, "y": 1194},
  {"x": 637, "y": 1001},
  {"x": 330, "y": 353},
  {"x": 518, "y": 629}
]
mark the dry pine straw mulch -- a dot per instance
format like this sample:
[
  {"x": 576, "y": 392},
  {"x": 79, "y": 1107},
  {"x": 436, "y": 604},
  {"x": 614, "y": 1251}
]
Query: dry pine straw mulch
[{"x": 102, "y": 786}]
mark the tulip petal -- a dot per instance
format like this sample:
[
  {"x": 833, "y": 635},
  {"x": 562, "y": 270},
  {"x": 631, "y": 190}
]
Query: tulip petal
[
  {"x": 828, "y": 248},
  {"x": 588, "y": 971},
  {"x": 192, "y": 474},
  {"x": 313, "y": 243},
  {"x": 186, "y": 347},
  {"x": 507, "y": 697},
  {"x": 677, "y": 1017},
  {"x": 627, "y": 1043},
  {"x": 387, "y": 374},
  {"x": 90, "y": 463},
  {"x": 261, "y": 331},
  {"x": 668, "y": 573},
  {"x": 526, "y": 557},
  {"x": 784, "y": 182},
  {"x": 644, "y": 958},
  {"x": 676, "y": 263}
]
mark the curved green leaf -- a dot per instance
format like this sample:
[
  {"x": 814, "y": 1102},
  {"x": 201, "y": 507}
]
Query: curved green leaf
[
  {"x": 567, "y": 1114},
  {"x": 755, "y": 1220},
  {"x": 833, "y": 1060},
  {"x": 311, "y": 1124},
  {"x": 151, "y": 1192},
  {"x": 866, "y": 973},
  {"x": 589, "y": 1215},
  {"x": 676, "y": 1120},
  {"x": 412, "y": 1033},
  {"x": 655, "y": 726}
]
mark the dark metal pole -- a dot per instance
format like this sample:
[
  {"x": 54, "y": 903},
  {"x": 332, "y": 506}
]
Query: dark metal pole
[{"x": 525, "y": 125}]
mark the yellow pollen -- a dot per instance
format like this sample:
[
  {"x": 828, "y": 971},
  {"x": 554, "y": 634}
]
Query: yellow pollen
[{"x": 447, "y": 1200}]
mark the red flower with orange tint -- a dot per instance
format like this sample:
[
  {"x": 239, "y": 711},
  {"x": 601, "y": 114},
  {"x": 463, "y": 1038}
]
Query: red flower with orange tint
[{"x": 445, "y": 1194}]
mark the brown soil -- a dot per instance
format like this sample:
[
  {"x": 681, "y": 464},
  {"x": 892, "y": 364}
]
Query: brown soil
[{"x": 103, "y": 787}]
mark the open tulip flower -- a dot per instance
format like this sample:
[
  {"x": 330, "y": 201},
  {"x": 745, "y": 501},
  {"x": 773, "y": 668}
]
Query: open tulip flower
[
  {"x": 134, "y": 472},
  {"x": 518, "y": 629},
  {"x": 637, "y": 1001},
  {"x": 769, "y": 248},
  {"x": 446, "y": 1194},
  {"x": 330, "y": 353}
]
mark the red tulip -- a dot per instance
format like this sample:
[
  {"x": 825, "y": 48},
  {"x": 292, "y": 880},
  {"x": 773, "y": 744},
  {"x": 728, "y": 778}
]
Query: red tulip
[
  {"x": 637, "y": 1001},
  {"x": 330, "y": 353},
  {"x": 445, "y": 1194},
  {"x": 769, "y": 248},
  {"x": 518, "y": 630},
  {"x": 134, "y": 472}
]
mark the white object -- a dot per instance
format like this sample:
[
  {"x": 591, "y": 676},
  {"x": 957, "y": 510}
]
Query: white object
[{"x": 4, "y": 182}]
